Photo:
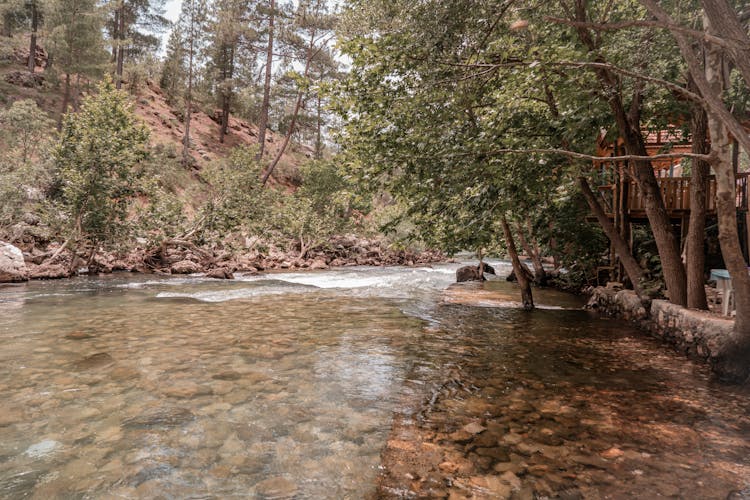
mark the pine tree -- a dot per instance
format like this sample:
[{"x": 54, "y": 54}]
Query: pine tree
[
  {"x": 192, "y": 22},
  {"x": 307, "y": 39},
  {"x": 173, "y": 70},
  {"x": 76, "y": 41},
  {"x": 231, "y": 33},
  {"x": 133, "y": 29},
  {"x": 263, "y": 120}
]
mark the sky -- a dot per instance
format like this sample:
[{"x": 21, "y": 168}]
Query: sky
[{"x": 172, "y": 9}]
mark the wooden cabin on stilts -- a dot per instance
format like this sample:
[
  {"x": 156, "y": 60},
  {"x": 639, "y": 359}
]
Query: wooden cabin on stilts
[{"x": 624, "y": 204}]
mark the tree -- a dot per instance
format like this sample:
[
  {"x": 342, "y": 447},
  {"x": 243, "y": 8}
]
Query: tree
[
  {"x": 34, "y": 15},
  {"x": 97, "y": 159},
  {"x": 313, "y": 25},
  {"x": 230, "y": 34},
  {"x": 263, "y": 120},
  {"x": 76, "y": 41},
  {"x": 26, "y": 134},
  {"x": 192, "y": 20},
  {"x": 133, "y": 28},
  {"x": 13, "y": 14},
  {"x": 429, "y": 115},
  {"x": 172, "y": 80},
  {"x": 25, "y": 130},
  {"x": 722, "y": 39}
]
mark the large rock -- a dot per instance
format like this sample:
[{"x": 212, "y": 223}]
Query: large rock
[
  {"x": 221, "y": 273},
  {"x": 471, "y": 273},
  {"x": 50, "y": 272},
  {"x": 186, "y": 267},
  {"x": 12, "y": 266}
]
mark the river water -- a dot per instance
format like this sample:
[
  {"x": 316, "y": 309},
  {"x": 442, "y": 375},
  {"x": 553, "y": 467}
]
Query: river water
[{"x": 286, "y": 385}]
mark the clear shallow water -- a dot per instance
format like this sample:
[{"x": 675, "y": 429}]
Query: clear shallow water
[{"x": 270, "y": 386}]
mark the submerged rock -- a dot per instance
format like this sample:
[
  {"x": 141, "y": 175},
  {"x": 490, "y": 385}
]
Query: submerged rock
[
  {"x": 275, "y": 488},
  {"x": 160, "y": 417},
  {"x": 221, "y": 273},
  {"x": 94, "y": 361},
  {"x": 12, "y": 266},
  {"x": 42, "y": 449}
]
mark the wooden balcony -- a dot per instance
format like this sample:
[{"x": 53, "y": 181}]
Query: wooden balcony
[{"x": 676, "y": 194}]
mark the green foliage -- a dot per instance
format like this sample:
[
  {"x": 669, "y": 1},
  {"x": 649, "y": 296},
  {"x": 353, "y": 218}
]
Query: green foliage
[
  {"x": 173, "y": 72},
  {"x": 577, "y": 245},
  {"x": 237, "y": 200},
  {"x": 97, "y": 159},
  {"x": 325, "y": 204},
  {"x": 26, "y": 133},
  {"x": 76, "y": 42}
]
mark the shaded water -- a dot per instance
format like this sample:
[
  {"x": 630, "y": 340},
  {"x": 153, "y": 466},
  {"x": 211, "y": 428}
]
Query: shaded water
[{"x": 286, "y": 384}]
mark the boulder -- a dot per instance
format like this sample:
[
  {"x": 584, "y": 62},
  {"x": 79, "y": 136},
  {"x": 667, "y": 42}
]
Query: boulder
[
  {"x": 50, "y": 272},
  {"x": 220, "y": 273},
  {"x": 186, "y": 267},
  {"x": 318, "y": 264},
  {"x": 471, "y": 273},
  {"x": 12, "y": 266}
]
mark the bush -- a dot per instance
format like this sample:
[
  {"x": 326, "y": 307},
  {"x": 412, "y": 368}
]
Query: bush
[{"x": 98, "y": 161}]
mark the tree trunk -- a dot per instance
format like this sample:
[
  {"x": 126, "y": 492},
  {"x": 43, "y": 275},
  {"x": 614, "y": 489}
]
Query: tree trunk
[
  {"x": 263, "y": 120},
  {"x": 115, "y": 35},
  {"x": 696, "y": 255},
  {"x": 726, "y": 24},
  {"x": 540, "y": 275},
  {"x": 7, "y": 26},
  {"x": 189, "y": 94},
  {"x": 77, "y": 95},
  {"x": 319, "y": 136},
  {"x": 65, "y": 102},
  {"x": 733, "y": 361},
  {"x": 295, "y": 113},
  {"x": 526, "y": 297},
  {"x": 226, "y": 97},
  {"x": 632, "y": 269},
  {"x": 628, "y": 124},
  {"x": 120, "y": 45},
  {"x": 32, "y": 42}
]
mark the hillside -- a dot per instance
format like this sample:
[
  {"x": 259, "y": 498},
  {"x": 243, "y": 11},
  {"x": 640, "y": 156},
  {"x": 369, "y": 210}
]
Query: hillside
[{"x": 151, "y": 106}]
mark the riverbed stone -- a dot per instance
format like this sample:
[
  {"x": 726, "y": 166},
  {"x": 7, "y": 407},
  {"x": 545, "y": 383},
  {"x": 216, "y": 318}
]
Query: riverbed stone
[
  {"x": 12, "y": 266},
  {"x": 276, "y": 488},
  {"x": 169, "y": 416},
  {"x": 184, "y": 389},
  {"x": 9, "y": 416}
]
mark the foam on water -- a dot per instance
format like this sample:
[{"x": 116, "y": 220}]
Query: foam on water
[{"x": 236, "y": 293}]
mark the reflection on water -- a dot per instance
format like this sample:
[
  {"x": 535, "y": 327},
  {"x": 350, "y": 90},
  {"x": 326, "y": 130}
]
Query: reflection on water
[{"x": 275, "y": 386}]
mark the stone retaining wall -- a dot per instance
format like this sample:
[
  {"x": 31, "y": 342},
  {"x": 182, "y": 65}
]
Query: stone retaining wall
[{"x": 698, "y": 334}]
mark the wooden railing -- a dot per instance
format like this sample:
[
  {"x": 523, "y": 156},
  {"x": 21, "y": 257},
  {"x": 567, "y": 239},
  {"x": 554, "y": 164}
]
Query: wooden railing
[{"x": 676, "y": 194}]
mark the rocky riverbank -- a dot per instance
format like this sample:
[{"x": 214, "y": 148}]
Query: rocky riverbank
[
  {"x": 553, "y": 411},
  {"x": 698, "y": 334},
  {"x": 184, "y": 257}
]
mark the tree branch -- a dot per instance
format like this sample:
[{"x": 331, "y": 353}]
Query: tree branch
[
  {"x": 579, "y": 156},
  {"x": 489, "y": 67},
  {"x": 616, "y": 26}
]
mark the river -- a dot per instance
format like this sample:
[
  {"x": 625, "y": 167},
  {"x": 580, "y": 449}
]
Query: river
[{"x": 287, "y": 385}]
